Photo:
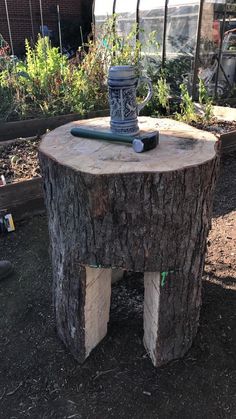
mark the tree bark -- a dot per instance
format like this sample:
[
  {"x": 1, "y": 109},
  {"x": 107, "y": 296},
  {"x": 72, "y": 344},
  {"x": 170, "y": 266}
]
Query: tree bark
[{"x": 110, "y": 208}]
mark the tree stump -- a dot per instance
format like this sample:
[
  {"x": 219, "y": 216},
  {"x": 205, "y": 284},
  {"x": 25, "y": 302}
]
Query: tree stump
[{"x": 109, "y": 207}]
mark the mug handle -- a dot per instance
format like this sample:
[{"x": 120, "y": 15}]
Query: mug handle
[{"x": 149, "y": 95}]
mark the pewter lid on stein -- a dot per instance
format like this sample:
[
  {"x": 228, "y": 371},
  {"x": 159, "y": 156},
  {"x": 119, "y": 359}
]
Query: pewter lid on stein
[{"x": 122, "y": 71}]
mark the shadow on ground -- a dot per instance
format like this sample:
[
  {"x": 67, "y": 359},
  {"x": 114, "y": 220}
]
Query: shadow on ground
[{"x": 225, "y": 193}]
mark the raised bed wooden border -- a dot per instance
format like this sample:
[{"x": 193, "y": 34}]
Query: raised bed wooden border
[
  {"x": 38, "y": 126},
  {"x": 22, "y": 199},
  {"x": 228, "y": 142}
]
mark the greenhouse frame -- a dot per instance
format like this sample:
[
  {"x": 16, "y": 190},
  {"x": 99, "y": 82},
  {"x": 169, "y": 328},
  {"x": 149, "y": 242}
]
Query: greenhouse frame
[{"x": 197, "y": 38}]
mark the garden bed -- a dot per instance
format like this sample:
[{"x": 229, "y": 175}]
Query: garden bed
[
  {"x": 22, "y": 195},
  {"x": 19, "y": 159},
  {"x": 22, "y": 199},
  {"x": 225, "y": 130}
]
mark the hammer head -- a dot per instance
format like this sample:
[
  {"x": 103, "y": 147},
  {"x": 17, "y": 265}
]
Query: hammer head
[{"x": 146, "y": 142}]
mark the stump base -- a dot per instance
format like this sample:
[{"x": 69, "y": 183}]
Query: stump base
[{"x": 143, "y": 212}]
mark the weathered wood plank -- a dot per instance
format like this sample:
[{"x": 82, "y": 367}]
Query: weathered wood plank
[
  {"x": 23, "y": 198},
  {"x": 82, "y": 304},
  {"x": 152, "y": 289},
  {"x": 97, "y": 306},
  {"x": 228, "y": 142},
  {"x": 38, "y": 126}
]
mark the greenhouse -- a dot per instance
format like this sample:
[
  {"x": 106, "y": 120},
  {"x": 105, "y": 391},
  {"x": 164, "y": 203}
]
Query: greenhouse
[{"x": 196, "y": 38}]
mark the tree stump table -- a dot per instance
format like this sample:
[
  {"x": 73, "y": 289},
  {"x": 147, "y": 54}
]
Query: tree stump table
[{"x": 109, "y": 207}]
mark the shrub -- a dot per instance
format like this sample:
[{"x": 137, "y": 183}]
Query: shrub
[{"x": 47, "y": 83}]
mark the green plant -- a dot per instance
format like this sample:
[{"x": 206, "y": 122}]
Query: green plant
[
  {"x": 44, "y": 83},
  {"x": 160, "y": 102},
  {"x": 6, "y": 102},
  {"x": 205, "y": 101},
  {"x": 176, "y": 70},
  {"x": 37, "y": 83},
  {"x": 44, "y": 77},
  {"x": 120, "y": 49},
  {"x": 187, "y": 110},
  {"x": 47, "y": 83},
  {"x": 88, "y": 85},
  {"x": 163, "y": 93}
]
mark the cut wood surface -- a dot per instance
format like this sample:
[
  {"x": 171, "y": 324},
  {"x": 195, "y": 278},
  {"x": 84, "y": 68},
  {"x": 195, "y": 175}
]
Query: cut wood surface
[
  {"x": 180, "y": 146},
  {"x": 224, "y": 113},
  {"x": 151, "y": 212},
  {"x": 97, "y": 306},
  {"x": 152, "y": 290}
]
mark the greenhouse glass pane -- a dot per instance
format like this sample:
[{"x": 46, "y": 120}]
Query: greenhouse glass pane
[
  {"x": 182, "y": 22},
  {"x": 151, "y": 19},
  {"x": 103, "y": 7},
  {"x": 181, "y": 39},
  {"x": 216, "y": 1},
  {"x": 210, "y": 40},
  {"x": 124, "y": 6},
  {"x": 126, "y": 15},
  {"x": 183, "y": 2},
  {"x": 102, "y": 10}
]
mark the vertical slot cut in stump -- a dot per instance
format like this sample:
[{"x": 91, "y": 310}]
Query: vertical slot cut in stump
[{"x": 109, "y": 207}]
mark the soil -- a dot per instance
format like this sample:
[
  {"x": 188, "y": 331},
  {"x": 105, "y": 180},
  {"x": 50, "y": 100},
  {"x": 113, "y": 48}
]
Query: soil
[
  {"x": 40, "y": 379},
  {"x": 215, "y": 126},
  {"x": 19, "y": 159}
]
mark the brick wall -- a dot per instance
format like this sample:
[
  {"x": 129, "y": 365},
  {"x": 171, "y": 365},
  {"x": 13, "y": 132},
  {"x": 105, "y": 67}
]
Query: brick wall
[{"x": 78, "y": 12}]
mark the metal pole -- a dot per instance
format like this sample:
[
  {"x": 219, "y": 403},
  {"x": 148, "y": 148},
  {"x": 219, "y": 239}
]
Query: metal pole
[
  {"x": 198, "y": 44},
  {"x": 9, "y": 27},
  {"x": 163, "y": 59},
  {"x": 114, "y": 7},
  {"x": 93, "y": 15},
  {"x": 137, "y": 20},
  {"x": 59, "y": 26},
  {"x": 31, "y": 19},
  {"x": 220, "y": 51},
  {"x": 41, "y": 16},
  {"x": 114, "y": 22}
]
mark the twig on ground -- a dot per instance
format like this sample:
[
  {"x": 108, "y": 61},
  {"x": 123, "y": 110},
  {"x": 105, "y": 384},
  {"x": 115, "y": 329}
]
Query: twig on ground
[
  {"x": 99, "y": 373},
  {"x": 10, "y": 393}
]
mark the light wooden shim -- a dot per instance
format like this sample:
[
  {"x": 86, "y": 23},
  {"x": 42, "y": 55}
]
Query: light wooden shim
[
  {"x": 97, "y": 306},
  {"x": 151, "y": 312}
]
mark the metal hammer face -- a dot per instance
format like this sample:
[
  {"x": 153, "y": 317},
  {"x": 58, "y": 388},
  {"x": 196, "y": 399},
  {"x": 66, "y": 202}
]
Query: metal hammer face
[{"x": 146, "y": 142}]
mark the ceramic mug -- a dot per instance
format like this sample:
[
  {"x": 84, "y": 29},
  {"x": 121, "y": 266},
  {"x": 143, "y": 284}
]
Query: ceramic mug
[{"x": 124, "y": 110}]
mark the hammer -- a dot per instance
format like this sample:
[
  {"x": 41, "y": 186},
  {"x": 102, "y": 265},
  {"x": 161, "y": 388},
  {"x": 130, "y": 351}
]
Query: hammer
[{"x": 144, "y": 142}]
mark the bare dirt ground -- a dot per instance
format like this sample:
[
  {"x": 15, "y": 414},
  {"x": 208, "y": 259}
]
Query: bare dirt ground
[
  {"x": 19, "y": 159},
  {"x": 40, "y": 379}
]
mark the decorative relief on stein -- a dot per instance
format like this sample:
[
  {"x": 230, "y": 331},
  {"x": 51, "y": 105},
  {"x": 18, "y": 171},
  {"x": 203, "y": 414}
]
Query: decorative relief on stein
[{"x": 123, "y": 82}]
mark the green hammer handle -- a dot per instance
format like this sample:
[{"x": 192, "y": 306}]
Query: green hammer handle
[{"x": 101, "y": 135}]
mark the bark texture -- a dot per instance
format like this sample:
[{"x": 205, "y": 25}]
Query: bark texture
[{"x": 153, "y": 222}]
